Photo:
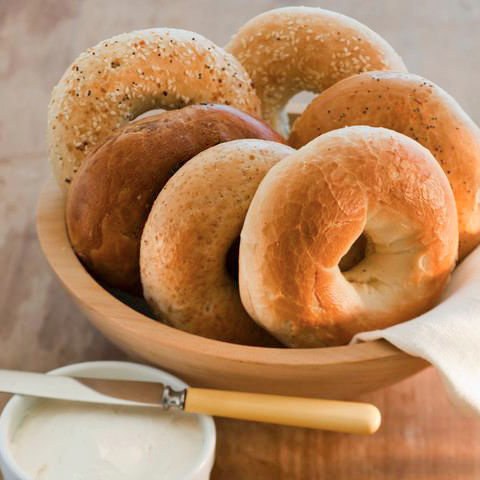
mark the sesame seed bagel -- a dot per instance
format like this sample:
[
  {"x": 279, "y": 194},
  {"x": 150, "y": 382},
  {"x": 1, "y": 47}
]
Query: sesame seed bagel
[
  {"x": 311, "y": 208},
  {"x": 110, "y": 197},
  {"x": 126, "y": 75},
  {"x": 415, "y": 107},
  {"x": 288, "y": 50},
  {"x": 194, "y": 223}
]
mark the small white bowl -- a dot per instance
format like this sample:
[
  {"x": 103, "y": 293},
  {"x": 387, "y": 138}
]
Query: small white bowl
[{"x": 18, "y": 406}]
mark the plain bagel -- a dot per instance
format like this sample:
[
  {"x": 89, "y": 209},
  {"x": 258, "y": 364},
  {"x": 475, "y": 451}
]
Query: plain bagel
[
  {"x": 415, "y": 107},
  {"x": 194, "y": 224},
  {"x": 312, "y": 207},
  {"x": 118, "y": 79},
  {"x": 109, "y": 199},
  {"x": 291, "y": 49}
]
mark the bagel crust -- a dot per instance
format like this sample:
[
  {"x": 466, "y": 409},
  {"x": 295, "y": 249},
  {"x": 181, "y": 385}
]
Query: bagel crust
[
  {"x": 291, "y": 49},
  {"x": 110, "y": 197},
  {"x": 416, "y": 107},
  {"x": 118, "y": 79},
  {"x": 312, "y": 207},
  {"x": 193, "y": 224}
]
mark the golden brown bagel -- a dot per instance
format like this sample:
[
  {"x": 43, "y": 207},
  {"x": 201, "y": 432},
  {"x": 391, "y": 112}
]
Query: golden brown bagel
[
  {"x": 415, "y": 107},
  {"x": 111, "y": 196},
  {"x": 291, "y": 49},
  {"x": 121, "y": 77},
  {"x": 313, "y": 206},
  {"x": 193, "y": 224}
]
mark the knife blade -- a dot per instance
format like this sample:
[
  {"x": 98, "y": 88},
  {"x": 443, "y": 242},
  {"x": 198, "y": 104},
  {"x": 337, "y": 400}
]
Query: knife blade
[{"x": 80, "y": 389}]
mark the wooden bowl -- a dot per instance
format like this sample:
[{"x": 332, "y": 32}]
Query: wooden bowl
[{"x": 337, "y": 372}]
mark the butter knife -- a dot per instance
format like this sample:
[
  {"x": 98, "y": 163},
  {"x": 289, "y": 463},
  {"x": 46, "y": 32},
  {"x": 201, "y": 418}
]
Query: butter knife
[{"x": 339, "y": 416}]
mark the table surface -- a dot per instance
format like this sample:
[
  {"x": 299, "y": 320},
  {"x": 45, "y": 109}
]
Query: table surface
[{"x": 422, "y": 436}]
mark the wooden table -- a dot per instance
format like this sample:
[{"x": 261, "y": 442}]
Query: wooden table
[{"x": 422, "y": 437}]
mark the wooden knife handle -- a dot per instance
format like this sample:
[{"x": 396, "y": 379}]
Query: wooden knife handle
[{"x": 337, "y": 416}]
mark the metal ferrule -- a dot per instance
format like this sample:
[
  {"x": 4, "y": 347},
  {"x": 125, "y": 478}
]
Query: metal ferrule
[{"x": 173, "y": 398}]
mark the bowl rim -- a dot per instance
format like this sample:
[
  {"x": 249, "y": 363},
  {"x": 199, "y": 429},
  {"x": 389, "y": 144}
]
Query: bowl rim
[
  {"x": 53, "y": 238},
  {"x": 18, "y": 405}
]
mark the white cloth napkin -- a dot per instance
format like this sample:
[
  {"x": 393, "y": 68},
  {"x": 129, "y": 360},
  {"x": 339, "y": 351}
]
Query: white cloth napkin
[{"x": 448, "y": 336}]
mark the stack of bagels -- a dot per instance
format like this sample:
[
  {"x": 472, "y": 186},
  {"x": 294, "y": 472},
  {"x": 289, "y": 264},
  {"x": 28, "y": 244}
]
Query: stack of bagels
[{"x": 235, "y": 226}]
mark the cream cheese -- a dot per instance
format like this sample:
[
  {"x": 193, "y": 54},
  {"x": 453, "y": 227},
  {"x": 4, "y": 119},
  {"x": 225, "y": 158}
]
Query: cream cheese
[{"x": 59, "y": 440}]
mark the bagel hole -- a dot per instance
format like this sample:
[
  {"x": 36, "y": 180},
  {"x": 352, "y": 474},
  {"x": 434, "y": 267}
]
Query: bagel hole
[
  {"x": 150, "y": 113},
  {"x": 231, "y": 261},
  {"x": 298, "y": 103},
  {"x": 355, "y": 254}
]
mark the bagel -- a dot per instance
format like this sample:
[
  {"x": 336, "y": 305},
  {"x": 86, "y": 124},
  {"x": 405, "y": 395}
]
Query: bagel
[
  {"x": 110, "y": 197},
  {"x": 415, "y": 107},
  {"x": 193, "y": 225},
  {"x": 115, "y": 81},
  {"x": 291, "y": 49},
  {"x": 313, "y": 206}
]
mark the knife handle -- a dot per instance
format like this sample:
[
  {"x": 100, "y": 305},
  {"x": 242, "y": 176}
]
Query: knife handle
[{"x": 337, "y": 416}]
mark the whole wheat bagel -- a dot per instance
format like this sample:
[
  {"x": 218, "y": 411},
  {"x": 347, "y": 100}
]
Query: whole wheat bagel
[
  {"x": 415, "y": 107},
  {"x": 313, "y": 206},
  {"x": 118, "y": 79},
  {"x": 193, "y": 224},
  {"x": 109, "y": 199},
  {"x": 291, "y": 49}
]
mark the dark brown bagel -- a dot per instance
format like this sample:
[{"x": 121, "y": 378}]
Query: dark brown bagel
[{"x": 110, "y": 197}]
